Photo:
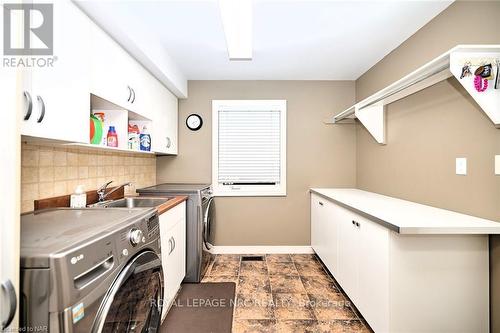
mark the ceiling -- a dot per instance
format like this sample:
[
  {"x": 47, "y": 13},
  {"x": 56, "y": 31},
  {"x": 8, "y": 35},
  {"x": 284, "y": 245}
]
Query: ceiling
[{"x": 292, "y": 40}]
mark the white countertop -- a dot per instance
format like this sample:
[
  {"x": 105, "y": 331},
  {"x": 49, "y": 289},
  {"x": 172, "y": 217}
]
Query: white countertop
[{"x": 408, "y": 217}]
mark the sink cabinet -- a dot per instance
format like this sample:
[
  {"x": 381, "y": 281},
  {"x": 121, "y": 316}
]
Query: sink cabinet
[{"x": 173, "y": 251}]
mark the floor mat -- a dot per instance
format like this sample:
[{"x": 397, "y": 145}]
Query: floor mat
[{"x": 202, "y": 308}]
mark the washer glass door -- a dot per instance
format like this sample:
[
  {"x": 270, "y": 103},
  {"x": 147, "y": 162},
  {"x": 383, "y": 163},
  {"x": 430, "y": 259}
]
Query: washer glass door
[{"x": 134, "y": 302}]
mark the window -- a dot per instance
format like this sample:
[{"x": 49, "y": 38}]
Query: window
[{"x": 249, "y": 148}]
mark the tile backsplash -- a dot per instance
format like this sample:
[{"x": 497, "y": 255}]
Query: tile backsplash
[{"x": 48, "y": 171}]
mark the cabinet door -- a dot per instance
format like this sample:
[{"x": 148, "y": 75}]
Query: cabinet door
[
  {"x": 179, "y": 253},
  {"x": 10, "y": 104},
  {"x": 332, "y": 220},
  {"x": 118, "y": 77},
  {"x": 143, "y": 90},
  {"x": 171, "y": 110},
  {"x": 373, "y": 248},
  {"x": 165, "y": 120},
  {"x": 108, "y": 68},
  {"x": 60, "y": 93},
  {"x": 318, "y": 226},
  {"x": 324, "y": 234},
  {"x": 173, "y": 250},
  {"x": 348, "y": 253}
]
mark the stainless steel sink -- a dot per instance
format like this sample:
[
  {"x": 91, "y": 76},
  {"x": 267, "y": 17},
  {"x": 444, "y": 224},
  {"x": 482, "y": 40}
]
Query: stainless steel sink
[{"x": 133, "y": 202}]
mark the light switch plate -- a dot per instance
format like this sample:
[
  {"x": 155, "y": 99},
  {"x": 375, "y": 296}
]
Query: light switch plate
[
  {"x": 461, "y": 166},
  {"x": 497, "y": 164}
]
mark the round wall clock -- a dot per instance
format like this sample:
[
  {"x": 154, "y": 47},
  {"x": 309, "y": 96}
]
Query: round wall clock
[{"x": 194, "y": 122}]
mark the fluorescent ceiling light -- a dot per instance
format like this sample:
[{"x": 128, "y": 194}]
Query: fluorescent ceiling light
[{"x": 237, "y": 22}]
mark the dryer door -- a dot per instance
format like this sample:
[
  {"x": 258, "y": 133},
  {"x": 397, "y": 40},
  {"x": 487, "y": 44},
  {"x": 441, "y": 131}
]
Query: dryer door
[
  {"x": 134, "y": 302},
  {"x": 208, "y": 221}
]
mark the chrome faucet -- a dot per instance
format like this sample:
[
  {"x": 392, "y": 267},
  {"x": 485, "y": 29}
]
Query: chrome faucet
[{"x": 101, "y": 192}]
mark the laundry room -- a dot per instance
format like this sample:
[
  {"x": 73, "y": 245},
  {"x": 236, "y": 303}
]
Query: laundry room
[{"x": 246, "y": 166}]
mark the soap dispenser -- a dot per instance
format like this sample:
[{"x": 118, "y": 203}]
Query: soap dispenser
[{"x": 79, "y": 198}]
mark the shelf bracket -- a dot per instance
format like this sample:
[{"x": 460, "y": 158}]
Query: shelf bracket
[{"x": 373, "y": 119}]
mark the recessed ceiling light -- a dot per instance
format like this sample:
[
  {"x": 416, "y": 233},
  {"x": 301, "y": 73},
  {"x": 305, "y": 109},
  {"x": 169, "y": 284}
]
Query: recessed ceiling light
[{"x": 237, "y": 22}]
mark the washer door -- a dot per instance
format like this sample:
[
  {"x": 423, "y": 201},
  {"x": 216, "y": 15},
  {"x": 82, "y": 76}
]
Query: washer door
[
  {"x": 208, "y": 219},
  {"x": 134, "y": 302}
]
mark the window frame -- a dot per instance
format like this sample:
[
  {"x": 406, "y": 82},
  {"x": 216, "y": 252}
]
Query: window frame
[{"x": 248, "y": 190}]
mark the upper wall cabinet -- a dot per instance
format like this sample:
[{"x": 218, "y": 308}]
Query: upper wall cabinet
[
  {"x": 115, "y": 75},
  {"x": 163, "y": 105},
  {"x": 56, "y": 97},
  {"x": 87, "y": 61},
  {"x": 120, "y": 79}
]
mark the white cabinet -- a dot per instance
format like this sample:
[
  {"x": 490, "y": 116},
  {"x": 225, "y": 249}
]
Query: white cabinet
[
  {"x": 57, "y": 98},
  {"x": 120, "y": 79},
  {"x": 348, "y": 240},
  {"x": 373, "y": 273},
  {"x": 115, "y": 75},
  {"x": 173, "y": 251},
  {"x": 324, "y": 229},
  {"x": 164, "y": 110},
  {"x": 58, "y": 95},
  {"x": 9, "y": 205},
  {"x": 403, "y": 283},
  {"x": 356, "y": 251}
]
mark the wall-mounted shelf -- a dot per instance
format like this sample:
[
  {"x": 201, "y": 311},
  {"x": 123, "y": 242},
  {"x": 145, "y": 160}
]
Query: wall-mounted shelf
[
  {"x": 111, "y": 149},
  {"x": 371, "y": 110}
]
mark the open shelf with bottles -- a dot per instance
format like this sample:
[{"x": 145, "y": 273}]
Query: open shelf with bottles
[{"x": 105, "y": 115}]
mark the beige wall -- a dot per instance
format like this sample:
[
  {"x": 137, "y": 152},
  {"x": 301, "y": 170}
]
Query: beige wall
[
  {"x": 428, "y": 130},
  {"x": 463, "y": 22},
  {"x": 317, "y": 155},
  {"x": 425, "y": 133},
  {"x": 48, "y": 171}
]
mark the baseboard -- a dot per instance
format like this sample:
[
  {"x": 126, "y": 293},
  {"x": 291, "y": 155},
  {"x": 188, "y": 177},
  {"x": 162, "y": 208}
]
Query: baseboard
[{"x": 261, "y": 249}]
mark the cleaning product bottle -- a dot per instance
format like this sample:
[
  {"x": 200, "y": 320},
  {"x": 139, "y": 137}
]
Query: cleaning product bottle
[
  {"x": 133, "y": 137},
  {"x": 100, "y": 116},
  {"x": 112, "y": 137},
  {"x": 79, "y": 198},
  {"x": 145, "y": 139}
]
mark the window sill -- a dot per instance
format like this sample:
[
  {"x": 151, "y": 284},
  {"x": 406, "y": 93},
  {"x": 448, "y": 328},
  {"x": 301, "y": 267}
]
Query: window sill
[{"x": 248, "y": 194}]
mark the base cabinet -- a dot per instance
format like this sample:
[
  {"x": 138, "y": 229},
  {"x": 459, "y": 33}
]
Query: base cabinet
[
  {"x": 173, "y": 251},
  {"x": 404, "y": 283}
]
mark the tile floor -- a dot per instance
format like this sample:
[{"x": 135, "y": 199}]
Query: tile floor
[{"x": 285, "y": 293}]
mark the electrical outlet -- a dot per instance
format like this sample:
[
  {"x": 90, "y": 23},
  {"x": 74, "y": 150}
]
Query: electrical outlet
[
  {"x": 497, "y": 164},
  {"x": 461, "y": 166}
]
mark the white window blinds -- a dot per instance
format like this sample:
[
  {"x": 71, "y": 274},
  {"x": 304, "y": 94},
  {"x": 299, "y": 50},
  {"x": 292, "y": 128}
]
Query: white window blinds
[{"x": 249, "y": 147}]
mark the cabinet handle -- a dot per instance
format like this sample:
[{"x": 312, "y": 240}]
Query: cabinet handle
[
  {"x": 129, "y": 93},
  {"x": 353, "y": 222},
  {"x": 9, "y": 290},
  {"x": 42, "y": 110},
  {"x": 356, "y": 223},
  {"x": 169, "y": 142},
  {"x": 173, "y": 241},
  {"x": 27, "y": 115},
  {"x": 320, "y": 203},
  {"x": 133, "y": 96}
]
